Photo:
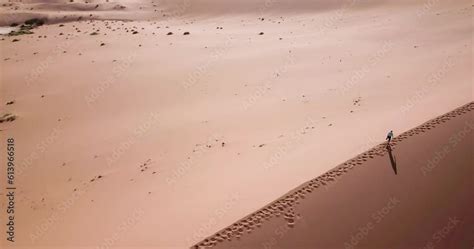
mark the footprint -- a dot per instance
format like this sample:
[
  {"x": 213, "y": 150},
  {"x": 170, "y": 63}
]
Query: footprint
[{"x": 8, "y": 117}]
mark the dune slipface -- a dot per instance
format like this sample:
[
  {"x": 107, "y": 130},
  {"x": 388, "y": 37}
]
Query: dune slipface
[{"x": 416, "y": 193}]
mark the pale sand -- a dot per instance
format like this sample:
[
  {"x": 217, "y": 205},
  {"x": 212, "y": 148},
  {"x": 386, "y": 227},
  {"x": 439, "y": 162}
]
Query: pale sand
[
  {"x": 417, "y": 193},
  {"x": 258, "y": 94}
]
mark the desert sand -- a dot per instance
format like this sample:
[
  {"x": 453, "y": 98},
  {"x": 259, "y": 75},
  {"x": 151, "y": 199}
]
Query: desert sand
[
  {"x": 415, "y": 193},
  {"x": 142, "y": 124}
]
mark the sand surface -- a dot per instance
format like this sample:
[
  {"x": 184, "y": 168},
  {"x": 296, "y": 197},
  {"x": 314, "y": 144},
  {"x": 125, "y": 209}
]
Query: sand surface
[
  {"x": 131, "y": 138},
  {"x": 417, "y": 193}
]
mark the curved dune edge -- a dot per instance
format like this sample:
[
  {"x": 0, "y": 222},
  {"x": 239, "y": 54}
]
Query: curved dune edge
[
  {"x": 65, "y": 11},
  {"x": 55, "y": 18},
  {"x": 285, "y": 204}
]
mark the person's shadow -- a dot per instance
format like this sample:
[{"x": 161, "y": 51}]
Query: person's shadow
[{"x": 393, "y": 160}]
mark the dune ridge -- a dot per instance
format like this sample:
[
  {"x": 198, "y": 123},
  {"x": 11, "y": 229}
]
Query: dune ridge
[{"x": 284, "y": 206}]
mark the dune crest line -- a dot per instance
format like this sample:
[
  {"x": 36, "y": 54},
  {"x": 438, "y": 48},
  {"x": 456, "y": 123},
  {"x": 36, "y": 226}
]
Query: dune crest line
[{"x": 284, "y": 206}]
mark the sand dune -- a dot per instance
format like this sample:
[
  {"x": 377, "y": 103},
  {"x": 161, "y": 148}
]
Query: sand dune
[
  {"x": 132, "y": 134},
  {"x": 416, "y": 193}
]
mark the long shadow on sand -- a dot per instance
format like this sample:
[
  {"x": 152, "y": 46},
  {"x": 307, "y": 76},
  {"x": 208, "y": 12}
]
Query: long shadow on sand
[{"x": 393, "y": 160}]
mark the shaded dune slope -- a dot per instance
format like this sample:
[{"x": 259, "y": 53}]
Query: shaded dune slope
[{"x": 350, "y": 205}]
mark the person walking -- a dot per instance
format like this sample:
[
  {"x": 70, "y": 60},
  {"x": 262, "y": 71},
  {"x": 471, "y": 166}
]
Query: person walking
[{"x": 389, "y": 136}]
